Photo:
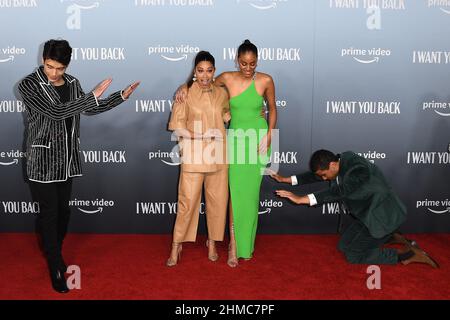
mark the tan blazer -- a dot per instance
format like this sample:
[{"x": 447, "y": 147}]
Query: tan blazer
[{"x": 202, "y": 111}]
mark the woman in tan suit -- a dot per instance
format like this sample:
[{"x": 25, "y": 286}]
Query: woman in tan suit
[{"x": 198, "y": 123}]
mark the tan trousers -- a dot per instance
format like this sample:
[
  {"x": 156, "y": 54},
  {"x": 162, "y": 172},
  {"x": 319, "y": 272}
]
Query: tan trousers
[{"x": 189, "y": 198}]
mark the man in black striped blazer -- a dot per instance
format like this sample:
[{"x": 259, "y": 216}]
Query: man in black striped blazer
[{"x": 54, "y": 101}]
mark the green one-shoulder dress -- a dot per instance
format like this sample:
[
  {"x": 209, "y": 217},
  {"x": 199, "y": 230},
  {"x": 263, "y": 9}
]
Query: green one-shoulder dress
[{"x": 246, "y": 166}]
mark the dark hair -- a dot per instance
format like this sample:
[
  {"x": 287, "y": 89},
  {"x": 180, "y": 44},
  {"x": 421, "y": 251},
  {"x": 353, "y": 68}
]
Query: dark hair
[
  {"x": 201, "y": 56},
  {"x": 58, "y": 50},
  {"x": 247, "y": 46},
  {"x": 320, "y": 160}
]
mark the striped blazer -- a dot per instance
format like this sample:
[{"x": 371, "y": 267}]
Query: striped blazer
[{"x": 48, "y": 157}]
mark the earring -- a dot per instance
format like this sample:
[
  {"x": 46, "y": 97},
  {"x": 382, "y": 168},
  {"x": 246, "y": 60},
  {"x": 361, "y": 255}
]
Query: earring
[
  {"x": 213, "y": 79},
  {"x": 194, "y": 78}
]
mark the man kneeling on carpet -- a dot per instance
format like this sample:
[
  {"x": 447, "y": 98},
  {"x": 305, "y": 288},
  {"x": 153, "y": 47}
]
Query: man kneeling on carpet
[{"x": 376, "y": 210}]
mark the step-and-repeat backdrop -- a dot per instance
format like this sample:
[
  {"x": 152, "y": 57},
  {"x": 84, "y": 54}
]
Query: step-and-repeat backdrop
[{"x": 372, "y": 76}]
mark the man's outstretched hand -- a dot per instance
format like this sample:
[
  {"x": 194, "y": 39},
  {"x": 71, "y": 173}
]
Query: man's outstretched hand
[
  {"x": 101, "y": 88},
  {"x": 293, "y": 197},
  {"x": 279, "y": 178},
  {"x": 130, "y": 89}
]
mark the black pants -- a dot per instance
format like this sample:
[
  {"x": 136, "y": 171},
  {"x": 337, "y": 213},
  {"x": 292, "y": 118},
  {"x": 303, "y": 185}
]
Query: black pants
[
  {"x": 54, "y": 215},
  {"x": 360, "y": 247}
]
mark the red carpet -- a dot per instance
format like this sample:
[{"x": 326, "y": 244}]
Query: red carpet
[{"x": 290, "y": 267}]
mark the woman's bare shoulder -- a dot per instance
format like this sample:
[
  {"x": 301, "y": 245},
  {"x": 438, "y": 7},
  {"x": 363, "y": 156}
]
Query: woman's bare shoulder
[{"x": 264, "y": 77}]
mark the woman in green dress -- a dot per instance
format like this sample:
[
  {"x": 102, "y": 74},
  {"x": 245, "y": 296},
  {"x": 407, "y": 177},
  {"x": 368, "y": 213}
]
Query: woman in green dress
[{"x": 249, "y": 143}]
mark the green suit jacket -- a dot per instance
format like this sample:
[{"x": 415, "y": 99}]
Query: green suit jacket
[{"x": 366, "y": 193}]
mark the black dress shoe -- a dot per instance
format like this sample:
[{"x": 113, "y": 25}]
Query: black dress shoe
[{"x": 59, "y": 281}]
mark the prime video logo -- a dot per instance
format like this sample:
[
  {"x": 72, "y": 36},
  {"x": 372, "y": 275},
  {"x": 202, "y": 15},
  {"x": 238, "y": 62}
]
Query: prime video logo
[
  {"x": 440, "y": 4},
  {"x": 441, "y": 108},
  {"x": 435, "y": 206},
  {"x": 74, "y": 11},
  {"x": 13, "y": 157},
  {"x": 268, "y": 205},
  {"x": 97, "y": 204},
  {"x": 366, "y": 56},
  {"x": 262, "y": 4},
  {"x": 173, "y": 157},
  {"x": 9, "y": 53},
  {"x": 173, "y": 53}
]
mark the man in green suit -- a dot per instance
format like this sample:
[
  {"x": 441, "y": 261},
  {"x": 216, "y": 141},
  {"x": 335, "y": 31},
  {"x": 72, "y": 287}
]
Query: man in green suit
[{"x": 376, "y": 210}]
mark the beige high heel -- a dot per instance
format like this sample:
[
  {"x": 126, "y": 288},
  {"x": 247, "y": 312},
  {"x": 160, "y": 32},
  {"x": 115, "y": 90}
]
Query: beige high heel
[
  {"x": 171, "y": 261},
  {"x": 211, "y": 256},
  {"x": 232, "y": 259}
]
